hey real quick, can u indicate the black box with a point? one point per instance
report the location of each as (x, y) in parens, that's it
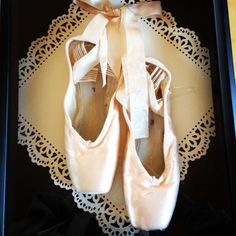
(206, 205)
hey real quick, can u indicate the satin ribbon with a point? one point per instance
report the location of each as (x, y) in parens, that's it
(145, 9)
(131, 54)
(96, 34)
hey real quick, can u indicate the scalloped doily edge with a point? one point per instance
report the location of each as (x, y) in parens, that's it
(26, 60)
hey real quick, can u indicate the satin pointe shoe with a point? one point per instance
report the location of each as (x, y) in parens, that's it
(92, 128)
(151, 167)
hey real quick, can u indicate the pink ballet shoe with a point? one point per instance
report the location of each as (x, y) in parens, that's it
(92, 128)
(151, 168)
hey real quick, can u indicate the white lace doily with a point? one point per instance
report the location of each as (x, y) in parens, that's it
(43, 77)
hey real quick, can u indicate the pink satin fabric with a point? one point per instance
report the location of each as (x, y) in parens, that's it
(151, 200)
(91, 164)
(117, 41)
(123, 40)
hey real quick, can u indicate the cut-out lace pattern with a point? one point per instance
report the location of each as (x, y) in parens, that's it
(60, 29)
(112, 219)
(185, 40)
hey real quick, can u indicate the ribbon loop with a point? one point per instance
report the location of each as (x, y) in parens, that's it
(145, 9)
(95, 33)
(105, 9)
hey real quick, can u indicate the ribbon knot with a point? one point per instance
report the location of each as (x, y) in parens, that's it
(105, 9)
(130, 55)
(110, 12)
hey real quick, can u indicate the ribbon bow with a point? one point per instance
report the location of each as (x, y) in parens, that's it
(117, 31)
(146, 9)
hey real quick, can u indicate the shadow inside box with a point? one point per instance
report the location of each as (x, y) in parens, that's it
(56, 215)
(44, 209)
(47, 210)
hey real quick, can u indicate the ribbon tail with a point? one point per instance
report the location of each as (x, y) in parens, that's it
(147, 9)
(135, 74)
(95, 29)
(103, 56)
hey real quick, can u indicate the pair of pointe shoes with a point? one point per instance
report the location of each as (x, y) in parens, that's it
(93, 135)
